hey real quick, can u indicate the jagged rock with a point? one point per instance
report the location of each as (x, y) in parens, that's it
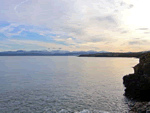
(138, 84)
(144, 65)
(137, 87)
(140, 107)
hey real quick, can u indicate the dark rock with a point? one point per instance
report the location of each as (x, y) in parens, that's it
(138, 84)
(148, 111)
(139, 107)
(144, 65)
(137, 87)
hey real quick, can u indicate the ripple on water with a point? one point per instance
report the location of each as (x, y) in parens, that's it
(63, 84)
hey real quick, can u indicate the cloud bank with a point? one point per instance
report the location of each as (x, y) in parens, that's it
(74, 24)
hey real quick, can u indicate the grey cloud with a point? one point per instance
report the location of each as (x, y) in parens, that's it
(139, 42)
(131, 6)
(95, 47)
(123, 32)
(107, 43)
(133, 42)
(137, 38)
(75, 30)
(122, 3)
(142, 29)
(107, 18)
(101, 39)
(98, 39)
(115, 11)
(107, 22)
(146, 32)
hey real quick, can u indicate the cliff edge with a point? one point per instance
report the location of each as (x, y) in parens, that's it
(138, 84)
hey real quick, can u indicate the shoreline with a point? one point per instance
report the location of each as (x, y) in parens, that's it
(138, 85)
(113, 54)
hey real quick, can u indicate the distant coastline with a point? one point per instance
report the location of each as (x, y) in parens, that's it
(47, 53)
(73, 53)
(113, 54)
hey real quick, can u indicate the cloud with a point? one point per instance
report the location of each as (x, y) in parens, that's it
(109, 19)
(68, 41)
(142, 29)
(9, 28)
(122, 3)
(123, 32)
(39, 43)
(139, 42)
(131, 6)
(73, 23)
(146, 32)
(4, 45)
(15, 8)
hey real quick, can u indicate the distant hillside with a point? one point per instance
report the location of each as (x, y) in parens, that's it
(47, 53)
(113, 54)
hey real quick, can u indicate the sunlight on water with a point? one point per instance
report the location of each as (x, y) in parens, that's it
(63, 84)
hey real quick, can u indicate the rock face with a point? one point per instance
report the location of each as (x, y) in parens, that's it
(138, 84)
(144, 65)
(140, 107)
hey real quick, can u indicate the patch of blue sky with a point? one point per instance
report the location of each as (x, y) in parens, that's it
(28, 27)
(17, 29)
(36, 28)
(4, 24)
(40, 28)
(15, 46)
(34, 47)
(60, 42)
(26, 35)
(2, 36)
(73, 38)
(52, 34)
(22, 47)
(27, 47)
(2, 46)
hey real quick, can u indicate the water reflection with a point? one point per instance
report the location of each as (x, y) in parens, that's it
(58, 83)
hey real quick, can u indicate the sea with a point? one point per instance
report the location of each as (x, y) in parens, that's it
(64, 84)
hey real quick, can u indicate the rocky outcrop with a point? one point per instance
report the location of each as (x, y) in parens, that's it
(138, 84)
(140, 107)
(143, 68)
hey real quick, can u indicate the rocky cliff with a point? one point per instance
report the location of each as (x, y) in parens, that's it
(138, 84)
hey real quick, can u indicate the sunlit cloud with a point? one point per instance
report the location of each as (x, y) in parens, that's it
(76, 24)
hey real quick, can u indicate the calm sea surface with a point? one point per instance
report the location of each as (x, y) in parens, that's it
(63, 84)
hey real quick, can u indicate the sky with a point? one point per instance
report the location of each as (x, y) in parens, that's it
(75, 25)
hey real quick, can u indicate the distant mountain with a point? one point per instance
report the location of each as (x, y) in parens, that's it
(47, 53)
